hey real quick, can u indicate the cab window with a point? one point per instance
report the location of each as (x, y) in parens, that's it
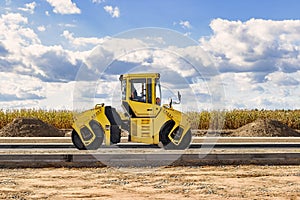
(157, 92)
(141, 90)
(123, 88)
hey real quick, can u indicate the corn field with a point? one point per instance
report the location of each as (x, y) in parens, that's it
(228, 119)
(61, 119)
(236, 118)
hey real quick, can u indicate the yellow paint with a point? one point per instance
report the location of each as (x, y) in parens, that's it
(148, 116)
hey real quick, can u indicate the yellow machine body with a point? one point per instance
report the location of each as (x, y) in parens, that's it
(83, 120)
(148, 121)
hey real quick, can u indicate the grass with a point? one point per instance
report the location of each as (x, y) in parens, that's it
(233, 119)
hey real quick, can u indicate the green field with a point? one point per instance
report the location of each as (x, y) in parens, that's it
(229, 119)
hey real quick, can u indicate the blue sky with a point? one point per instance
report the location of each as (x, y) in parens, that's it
(254, 45)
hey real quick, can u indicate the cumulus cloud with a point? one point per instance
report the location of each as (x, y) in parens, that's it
(113, 11)
(29, 7)
(254, 45)
(58, 96)
(282, 79)
(185, 24)
(23, 53)
(98, 1)
(20, 87)
(24, 91)
(81, 41)
(280, 90)
(41, 28)
(257, 61)
(64, 7)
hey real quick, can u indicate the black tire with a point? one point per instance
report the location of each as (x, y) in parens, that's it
(168, 145)
(77, 141)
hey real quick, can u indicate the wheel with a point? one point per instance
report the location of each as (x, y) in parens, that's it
(165, 130)
(77, 141)
(185, 142)
(98, 131)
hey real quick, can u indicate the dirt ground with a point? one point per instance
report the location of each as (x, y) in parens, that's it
(29, 127)
(208, 182)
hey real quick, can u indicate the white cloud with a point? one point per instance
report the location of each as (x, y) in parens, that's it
(41, 28)
(58, 96)
(258, 71)
(113, 11)
(24, 91)
(185, 24)
(64, 7)
(98, 1)
(255, 45)
(280, 91)
(258, 61)
(282, 79)
(67, 25)
(23, 53)
(29, 7)
(81, 41)
(14, 33)
(20, 87)
(47, 13)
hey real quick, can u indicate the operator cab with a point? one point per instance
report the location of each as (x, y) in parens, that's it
(141, 94)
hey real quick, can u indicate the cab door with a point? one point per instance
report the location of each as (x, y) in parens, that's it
(143, 109)
(142, 99)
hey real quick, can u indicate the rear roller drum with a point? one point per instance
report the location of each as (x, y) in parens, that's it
(168, 144)
(77, 141)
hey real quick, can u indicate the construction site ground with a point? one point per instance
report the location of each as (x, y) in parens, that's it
(199, 182)
(203, 182)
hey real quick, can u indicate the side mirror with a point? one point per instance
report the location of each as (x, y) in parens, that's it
(179, 97)
(170, 102)
(178, 102)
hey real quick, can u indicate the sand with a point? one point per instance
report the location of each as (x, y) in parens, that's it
(207, 182)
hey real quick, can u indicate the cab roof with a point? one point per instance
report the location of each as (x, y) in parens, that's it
(141, 75)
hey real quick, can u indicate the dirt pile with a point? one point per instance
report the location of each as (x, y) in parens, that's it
(265, 128)
(29, 127)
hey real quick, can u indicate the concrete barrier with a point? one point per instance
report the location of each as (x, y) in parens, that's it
(58, 140)
(146, 160)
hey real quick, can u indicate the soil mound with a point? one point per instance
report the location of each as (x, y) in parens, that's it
(265, 128)
(29, 127)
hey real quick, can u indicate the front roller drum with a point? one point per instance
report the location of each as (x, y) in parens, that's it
(168, 144)
(97, 130)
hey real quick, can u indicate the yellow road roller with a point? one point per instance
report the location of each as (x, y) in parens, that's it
(147, 121)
